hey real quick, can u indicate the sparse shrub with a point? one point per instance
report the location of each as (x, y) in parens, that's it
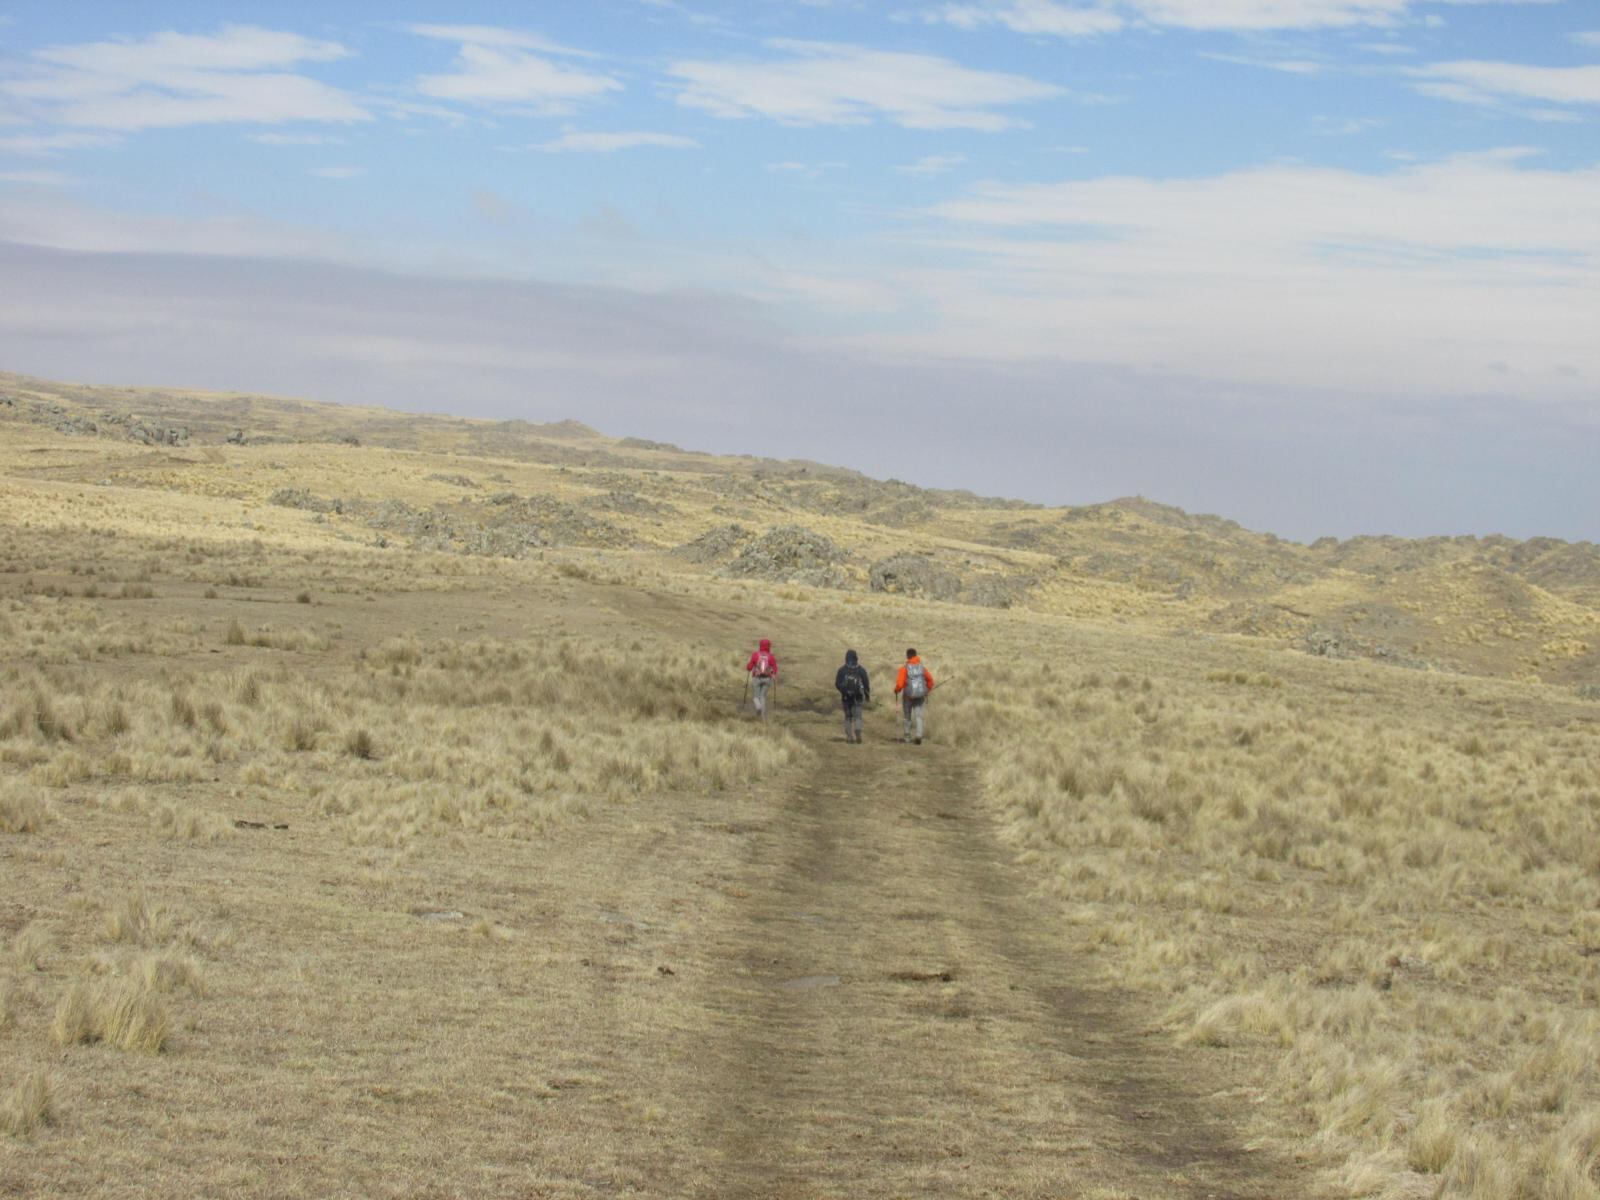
(235, 635)
(359, 744)
(136, 591)
(211, 593)
(303, 598)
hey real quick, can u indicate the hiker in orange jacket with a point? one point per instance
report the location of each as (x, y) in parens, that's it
(763, 671)
(912, 685)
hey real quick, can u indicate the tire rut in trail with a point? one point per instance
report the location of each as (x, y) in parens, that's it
(1135, 1074)
(895, 1018)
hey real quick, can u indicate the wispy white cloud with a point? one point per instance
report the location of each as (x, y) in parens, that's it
(1086, 19)
(1089, 18)
(53, 143)
(1031, 16)
(1478, 82)
(496, 66)
(1285, 66)
(338, 171)
(1271, 14)
(691, 15)
(933, 164)
(495, 35)
(609, 143)
(296, 139)
(172, 79)
(1588, 37)
(35, 178)
(808, 170)
(822, 83)
(69, 226)
(1345, 126)
(1412, 278)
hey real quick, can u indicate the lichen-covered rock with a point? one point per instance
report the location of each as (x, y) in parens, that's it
(914, 575)
(715, 545)
(791, 553)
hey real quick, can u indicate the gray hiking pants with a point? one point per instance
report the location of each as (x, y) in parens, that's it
(760, 685)
(911, 717)
(852, 719)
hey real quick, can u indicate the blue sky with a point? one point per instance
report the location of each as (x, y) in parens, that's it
(1320, 265)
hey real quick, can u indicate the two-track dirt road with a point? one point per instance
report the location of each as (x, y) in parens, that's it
(864, 1000)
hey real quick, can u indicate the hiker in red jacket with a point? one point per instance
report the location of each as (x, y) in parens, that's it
(912, 685)
(763, 671)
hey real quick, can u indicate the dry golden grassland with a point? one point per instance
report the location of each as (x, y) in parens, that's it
(1375, 891)
(285, 805)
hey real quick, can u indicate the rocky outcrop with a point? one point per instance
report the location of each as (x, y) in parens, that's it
(914, 575)
(791, 553)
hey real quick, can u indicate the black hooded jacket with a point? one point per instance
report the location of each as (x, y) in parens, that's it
(852, 670)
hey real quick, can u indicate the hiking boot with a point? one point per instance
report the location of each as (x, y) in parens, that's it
(919, 741)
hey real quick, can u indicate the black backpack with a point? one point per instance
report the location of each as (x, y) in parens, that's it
(853, 687)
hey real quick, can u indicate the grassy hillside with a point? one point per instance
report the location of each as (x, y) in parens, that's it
(509, 489)
(309, 711)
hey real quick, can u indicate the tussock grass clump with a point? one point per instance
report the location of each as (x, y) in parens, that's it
(170, 971)
(188, 824)
(359, 743)
(26, 1105)
(123, 1013)
(1435, 1141)
(21, 809)
(139, 922)
(31, 946)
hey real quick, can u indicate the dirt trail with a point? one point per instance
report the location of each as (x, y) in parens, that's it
(904, 1026)
(883, 1010)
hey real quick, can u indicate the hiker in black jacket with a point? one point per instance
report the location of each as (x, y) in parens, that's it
(855, 689)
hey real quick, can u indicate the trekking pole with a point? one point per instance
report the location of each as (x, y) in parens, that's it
(744, 698)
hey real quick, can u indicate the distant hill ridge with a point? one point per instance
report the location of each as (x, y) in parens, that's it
(1489, 604)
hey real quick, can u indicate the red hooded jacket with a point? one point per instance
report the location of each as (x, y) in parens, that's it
(756, 666)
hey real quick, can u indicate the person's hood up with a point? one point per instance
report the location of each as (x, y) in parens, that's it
(766, 643)
(850, 658)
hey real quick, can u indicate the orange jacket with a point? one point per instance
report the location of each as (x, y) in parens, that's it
(900, 679)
